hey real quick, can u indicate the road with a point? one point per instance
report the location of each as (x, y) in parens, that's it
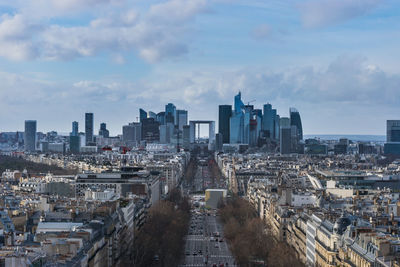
(203, 246)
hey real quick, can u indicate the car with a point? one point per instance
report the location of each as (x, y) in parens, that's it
(194, 253)
(216, 246)
(187, 253)
(221, 240)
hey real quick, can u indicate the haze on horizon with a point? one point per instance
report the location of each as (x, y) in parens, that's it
(336, 61)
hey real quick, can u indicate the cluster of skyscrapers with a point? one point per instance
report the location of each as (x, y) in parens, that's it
(255, 127)
(165, 127)
(77, 139)
(240, 126)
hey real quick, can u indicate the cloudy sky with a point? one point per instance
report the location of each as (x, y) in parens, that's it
(336, 61)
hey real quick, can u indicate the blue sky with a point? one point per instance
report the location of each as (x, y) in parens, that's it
(336, 61)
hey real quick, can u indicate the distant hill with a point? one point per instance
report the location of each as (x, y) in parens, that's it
(17, 163)
(353, 137)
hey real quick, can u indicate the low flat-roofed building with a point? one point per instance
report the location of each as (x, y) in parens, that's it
(45, 227)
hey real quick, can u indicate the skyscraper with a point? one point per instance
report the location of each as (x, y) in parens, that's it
(237, 122)
(224, 114)
(142, 114)
(75, 128)
(150, 130)
(161, 117)
(255, 126)
(186, 137)
(89, 125)
(132, 133)
(393, 131)
(103, 130)
(182, 116)
(285, 136)
(268, 121)
(277, 120)
(166, 133)
(170, 113)
(248, 115)
(295, 120)
(30, 135)
(392, 145)
(151, 114)
(74, 143)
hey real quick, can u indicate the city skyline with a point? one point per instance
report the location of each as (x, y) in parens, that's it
(116, 130)
(200, 133)
(54, 64)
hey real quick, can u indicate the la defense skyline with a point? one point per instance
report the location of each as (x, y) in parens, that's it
(224, 111)
(240, 125)
(245, 124)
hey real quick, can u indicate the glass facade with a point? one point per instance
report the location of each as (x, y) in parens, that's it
(182, 118)
(285, 136)
(103, 130)
(268, 121)
(237, 122)
(142, 114)
(89, 125)
(170, 114)
(224, 114)
(295, 120)
(30, 135)
(75, 128)
(393, 131)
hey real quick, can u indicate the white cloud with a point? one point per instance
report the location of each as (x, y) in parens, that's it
(317, 13)
(153, 35)
(342, 92)
(177, 11)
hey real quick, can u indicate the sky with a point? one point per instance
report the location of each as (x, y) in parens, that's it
(336, 61)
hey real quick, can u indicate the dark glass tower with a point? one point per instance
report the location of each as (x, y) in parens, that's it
(89, 125)
(142, 114)
(268, 121)
(224, 114)
(75, 128)
(285, 136)
(170, 114)
(295, 120)
(103, 130)
(30, 135)
(393, 131)
(236, 123)
(150, 130)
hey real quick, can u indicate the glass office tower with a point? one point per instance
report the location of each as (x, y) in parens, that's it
(30, 135)
(170, 114)
(295, 120)
(285, 136)
(75, 128)
(142, 114)
(237, 122)
(268, 121)
(393, 131)
(224, 115)
(89, 125)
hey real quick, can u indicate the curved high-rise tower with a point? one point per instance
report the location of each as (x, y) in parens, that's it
(295, 120)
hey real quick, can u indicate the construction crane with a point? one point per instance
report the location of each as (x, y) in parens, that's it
(251, 101)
